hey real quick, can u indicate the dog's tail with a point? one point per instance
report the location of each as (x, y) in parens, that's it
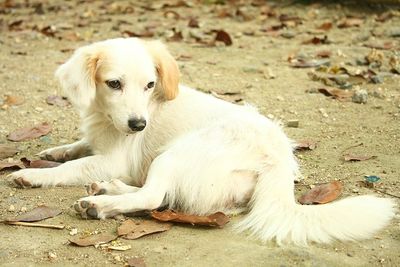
(274, 213)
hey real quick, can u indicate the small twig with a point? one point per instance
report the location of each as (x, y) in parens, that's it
(353, 146)
(36, 225)
(383, 192)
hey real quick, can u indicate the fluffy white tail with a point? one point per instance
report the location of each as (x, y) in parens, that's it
(274, 213)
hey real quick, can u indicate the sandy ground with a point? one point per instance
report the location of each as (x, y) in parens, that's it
(29, 55)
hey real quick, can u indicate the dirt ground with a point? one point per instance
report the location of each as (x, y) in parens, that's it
(36, 36)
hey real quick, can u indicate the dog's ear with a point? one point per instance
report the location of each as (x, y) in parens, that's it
(167, 70)
(78, 76)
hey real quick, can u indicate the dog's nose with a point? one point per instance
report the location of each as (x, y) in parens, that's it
(137, 124)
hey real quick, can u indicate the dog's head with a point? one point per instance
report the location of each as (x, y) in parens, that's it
(120, 78)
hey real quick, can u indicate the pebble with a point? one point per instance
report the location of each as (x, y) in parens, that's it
(52, 255)
(288, 34)
(377, 79)
(323, 112)
(24, 209)
(73, 231)
(11, 208)
(360, 96)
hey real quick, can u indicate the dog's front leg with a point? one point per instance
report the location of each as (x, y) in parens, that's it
(150, 196)
(75, 172)
(68, 152)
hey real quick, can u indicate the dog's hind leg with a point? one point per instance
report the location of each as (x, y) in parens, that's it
(68, 152)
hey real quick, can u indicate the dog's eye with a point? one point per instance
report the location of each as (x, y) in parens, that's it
(114, 84)
(149, 86)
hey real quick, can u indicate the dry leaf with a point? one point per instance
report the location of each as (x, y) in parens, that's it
(351, 157)
(305, 145)
(350, 22)
(233, 97)
(322, 194)
(39, 163)
(324, 54)
(336, 93)
(30, 132)
(13, 100)
(37, 214)
(136, 262)
(326, 26)
(131, 229)
(223, 36)
(57, 101)
(144, 34)
(317, 40)
(92, 240)
(309, 63)
(193, 23)
(11, 164)
(7, 151)
(216, 219)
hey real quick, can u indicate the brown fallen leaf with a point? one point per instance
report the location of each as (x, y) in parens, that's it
(223, 36)
(7, 151)
(351, 157)
(15, 25)
(136, 262)
(39, 163)
(216, 219)
(144, 34)
(324, 54)
(57, 100)
(11, 164)
(30, 132)
(305, 145)
(131, 229)
(326, 26)
(317, 40)
(322, 194)
(176, 36)
(92, 240)
(350, 22)
(338, 94)
(13, 100)
(37, 214)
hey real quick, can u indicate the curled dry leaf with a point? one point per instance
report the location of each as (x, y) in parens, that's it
(39, 163)
(30, 132)
(144, 34)
(322, 194)
(216, 219)
(57, 100)
(350, 22)
(223, 36)
(11, 164)
(131, 229)
(92, 240)
(233, 97)
(317, 40)
(37, 214)
(7, 151)
(351, 157)
(336, 93)
(305, 145)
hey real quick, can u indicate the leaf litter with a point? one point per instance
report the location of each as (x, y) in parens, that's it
(134, 229)
(7, 151)
(37, 214)
(321, 194)
(217, 219)
(30, 132)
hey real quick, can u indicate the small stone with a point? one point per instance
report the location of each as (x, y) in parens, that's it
(52, 255)
(360, 96)
(323, 112)
(11, 208)
(293, 123)
(24, 209)
(377, 79)
(73, 231)
(288, 34)
(355, 190)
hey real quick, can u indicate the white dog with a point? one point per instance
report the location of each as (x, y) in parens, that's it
(186, 150)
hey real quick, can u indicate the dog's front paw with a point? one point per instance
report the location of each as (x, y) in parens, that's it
(60, 154)
(96, 207)
(31, 178)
